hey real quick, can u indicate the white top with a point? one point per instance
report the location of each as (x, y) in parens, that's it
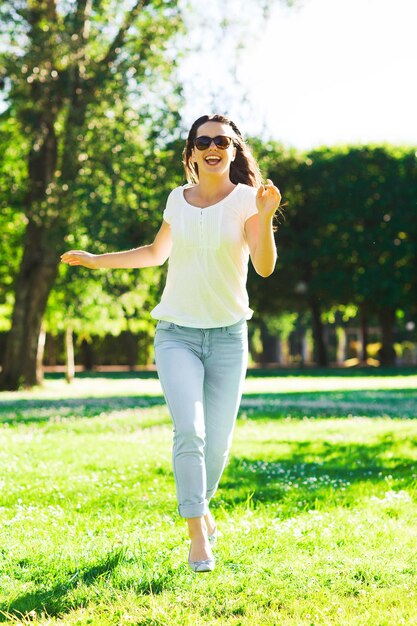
(208, 265)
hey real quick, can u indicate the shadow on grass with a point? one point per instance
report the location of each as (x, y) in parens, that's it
(57, 599)
(338, 372)
(260, 372)
(314, 475)
(111, 375)
(321, 404)
(44, 410)
(52, 600)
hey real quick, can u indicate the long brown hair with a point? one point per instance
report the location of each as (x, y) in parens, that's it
(244, 168)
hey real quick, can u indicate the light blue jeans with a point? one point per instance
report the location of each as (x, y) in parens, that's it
(201, 372)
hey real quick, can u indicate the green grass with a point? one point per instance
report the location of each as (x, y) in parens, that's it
(316, 508)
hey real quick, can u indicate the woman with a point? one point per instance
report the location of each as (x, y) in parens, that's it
(210, 227)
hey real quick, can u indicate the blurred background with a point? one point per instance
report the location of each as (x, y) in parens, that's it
(95, 103)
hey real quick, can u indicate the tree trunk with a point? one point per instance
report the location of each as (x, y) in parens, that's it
(318, 335)
(387, 320)
(39, 355)
(45, 232)
(269, 346)
(341, 344)
(304, 351)
(283, 356)
(87, 355)
(69, 355)
(364, 334)
(131, 343)
(34, 282)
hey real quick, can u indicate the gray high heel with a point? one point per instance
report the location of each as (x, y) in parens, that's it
(201, 566)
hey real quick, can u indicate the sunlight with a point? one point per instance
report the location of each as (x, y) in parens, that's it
(334, 72)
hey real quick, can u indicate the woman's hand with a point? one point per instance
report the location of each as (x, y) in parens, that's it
(79, 257)
(268, 199)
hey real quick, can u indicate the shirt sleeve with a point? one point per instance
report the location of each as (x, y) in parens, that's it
(250, 204)
(169, 208)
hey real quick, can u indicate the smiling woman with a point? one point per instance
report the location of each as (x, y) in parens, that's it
(242, 165)
(210, 228)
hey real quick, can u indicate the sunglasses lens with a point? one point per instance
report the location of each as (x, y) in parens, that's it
(204, 142)
(222, 141)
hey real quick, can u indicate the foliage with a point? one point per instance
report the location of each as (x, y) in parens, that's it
(67, 66)
(120, 204)
(13, 173)
(348, 238)
(91, 151)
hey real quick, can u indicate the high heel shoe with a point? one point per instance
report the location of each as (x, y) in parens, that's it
(201, 566)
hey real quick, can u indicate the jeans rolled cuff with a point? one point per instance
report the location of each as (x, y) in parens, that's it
(199, 509)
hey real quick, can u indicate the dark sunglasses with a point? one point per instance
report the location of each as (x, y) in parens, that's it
(204, 142)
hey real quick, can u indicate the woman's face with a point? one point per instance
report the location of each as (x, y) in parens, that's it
(214, 160)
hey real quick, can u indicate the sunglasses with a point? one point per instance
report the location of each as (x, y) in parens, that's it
(204, 142)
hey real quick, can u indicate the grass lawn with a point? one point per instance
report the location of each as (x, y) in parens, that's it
(316, 511)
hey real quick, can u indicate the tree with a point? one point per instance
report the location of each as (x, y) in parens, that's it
(349, 237)
(13, 173)
(368, 202)
(294, 285)
(77, 58)
(127, 200)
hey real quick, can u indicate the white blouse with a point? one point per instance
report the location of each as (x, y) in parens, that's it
(208, 265)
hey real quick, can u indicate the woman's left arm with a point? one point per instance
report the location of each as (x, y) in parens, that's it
(259, 229)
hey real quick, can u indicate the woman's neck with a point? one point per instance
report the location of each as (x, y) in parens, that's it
(214, 186)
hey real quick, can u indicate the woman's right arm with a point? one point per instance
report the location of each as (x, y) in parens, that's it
(146, 256)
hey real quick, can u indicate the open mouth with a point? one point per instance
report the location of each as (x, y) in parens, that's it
(212, 159)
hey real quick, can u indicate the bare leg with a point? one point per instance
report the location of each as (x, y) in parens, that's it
(210, 523)
(200, 546)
